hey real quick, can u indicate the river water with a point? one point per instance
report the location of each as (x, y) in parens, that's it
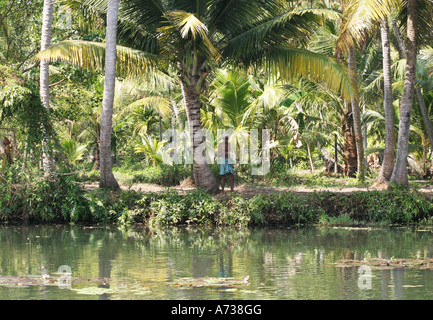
(79, 262)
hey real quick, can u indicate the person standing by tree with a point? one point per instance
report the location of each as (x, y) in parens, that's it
(226, 167)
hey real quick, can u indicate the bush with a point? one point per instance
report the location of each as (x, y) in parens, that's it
(60, 200)
(63, 200)
(234, 212)
(196, 207)
(164, 175)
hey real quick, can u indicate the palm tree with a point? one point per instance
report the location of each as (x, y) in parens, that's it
(107, 179)
(228, 106)
(154, 150)
(358, 22)
(388, 158)
(47, 21)
(195, 37)
(360, 19)
(73, 150)
(326, 114)
(399, 174)
(401, 47)
(377, 11)
(356, 112)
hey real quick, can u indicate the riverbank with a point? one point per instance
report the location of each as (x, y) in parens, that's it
(66, 201)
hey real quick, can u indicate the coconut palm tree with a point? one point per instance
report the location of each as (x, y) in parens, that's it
(73, 150)
(107, 179)
(360, 19)
(399, 174)
(154, 150)
(388, 157)
(327, 114)
(377, 11)
(195, 37)
(356, 113)
(423, 72)
(47, 21)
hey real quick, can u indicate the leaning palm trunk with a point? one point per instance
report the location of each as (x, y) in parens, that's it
(399, 174)
(351, 59)
(388, 159)
(47, 159)
(202, 175)
(107, 179)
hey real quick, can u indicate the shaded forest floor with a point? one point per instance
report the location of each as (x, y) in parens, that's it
(248, 190)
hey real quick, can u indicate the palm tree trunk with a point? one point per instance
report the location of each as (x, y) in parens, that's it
(388, 159)
(419, 96)
(202, 175)
(335, 154)
(310, 159)
(96, 165)
(349, 154)
(424, 112)
(351, 59)
(399, 174)
(107, 179)
(47, 21)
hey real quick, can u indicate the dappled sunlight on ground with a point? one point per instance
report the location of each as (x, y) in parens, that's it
(249, 190)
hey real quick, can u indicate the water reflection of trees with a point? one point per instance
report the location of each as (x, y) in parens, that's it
(283, 263)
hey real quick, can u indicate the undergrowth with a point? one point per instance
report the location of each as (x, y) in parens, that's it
(63, 200)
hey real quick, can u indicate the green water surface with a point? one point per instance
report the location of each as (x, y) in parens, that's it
(193, 263)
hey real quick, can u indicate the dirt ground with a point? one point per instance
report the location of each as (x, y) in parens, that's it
(252, 190)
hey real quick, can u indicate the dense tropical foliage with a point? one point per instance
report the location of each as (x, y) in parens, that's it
(89, 90)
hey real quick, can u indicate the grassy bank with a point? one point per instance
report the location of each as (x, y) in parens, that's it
(64, 201)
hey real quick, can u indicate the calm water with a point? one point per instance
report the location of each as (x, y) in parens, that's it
(111, 263)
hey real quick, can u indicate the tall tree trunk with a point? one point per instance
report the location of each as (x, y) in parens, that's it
(399, 174)
(349, 148)
(425, 116)
(107, 179)
(202, 175)
(310, 159)
(351, 59)
(388, 159)
(335, 153)
(47, 22)
(96, 165)
(418, 93)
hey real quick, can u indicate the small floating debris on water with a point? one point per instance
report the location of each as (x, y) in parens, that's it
(189, 282)
(382, 264)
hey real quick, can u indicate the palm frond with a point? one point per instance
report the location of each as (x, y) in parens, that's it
(154, 150)
(232, 95)
(73, 151)
(300, 63)
(326, 13)
(185, 24)
(230, 17)
(269, 32)
(425, 13)
(160, 104)
(358, 18)
(188, 23)
(426, 54)
(91, 55)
